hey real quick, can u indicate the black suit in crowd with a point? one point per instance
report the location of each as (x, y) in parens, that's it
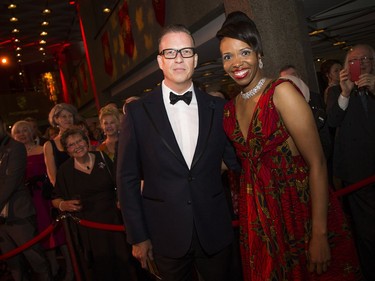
(177, 202)
(354, 160)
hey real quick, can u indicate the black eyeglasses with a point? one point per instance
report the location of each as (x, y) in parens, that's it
(363, 60)
(172, 53)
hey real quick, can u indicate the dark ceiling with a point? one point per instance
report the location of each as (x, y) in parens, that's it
(340, 22)
(62, 30)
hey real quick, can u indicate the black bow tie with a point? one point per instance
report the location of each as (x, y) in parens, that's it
(185, 97)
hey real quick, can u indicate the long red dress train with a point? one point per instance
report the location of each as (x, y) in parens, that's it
(274, 203)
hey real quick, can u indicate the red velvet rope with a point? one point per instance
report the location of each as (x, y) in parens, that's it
(102, 226)
(29, 243)
(113, 227)
(354, 187)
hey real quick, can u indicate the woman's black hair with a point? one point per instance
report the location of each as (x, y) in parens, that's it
(239, 26)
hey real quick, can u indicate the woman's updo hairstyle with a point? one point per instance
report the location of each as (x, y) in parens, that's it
(239, 26)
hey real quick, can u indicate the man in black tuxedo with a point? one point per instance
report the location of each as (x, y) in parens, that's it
(17, 213)
(175, 142)
(352, 111)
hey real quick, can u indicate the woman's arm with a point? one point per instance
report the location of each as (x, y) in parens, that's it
(71, 205)
(300, 124)
(67, 205)
(49, 159)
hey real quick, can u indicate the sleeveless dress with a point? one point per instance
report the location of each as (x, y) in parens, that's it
(60, 156)
(274, 203)
(35, 175)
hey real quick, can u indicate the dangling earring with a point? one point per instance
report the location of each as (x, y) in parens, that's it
(260, 63)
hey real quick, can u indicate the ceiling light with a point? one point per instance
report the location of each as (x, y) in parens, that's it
(339, 43)
(19, 60)
(43, 33)
(106, 10)
(12, 6)
(41, 49)
(15, 30)
(46, 11)
(45, 23)
(42, 41)
(13, 19)
(18, 49)
(18, 55)
(4, 60)
(16, 40)
(316, 32)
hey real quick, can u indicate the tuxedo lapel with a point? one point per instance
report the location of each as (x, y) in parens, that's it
(157, 114)
(206, 110)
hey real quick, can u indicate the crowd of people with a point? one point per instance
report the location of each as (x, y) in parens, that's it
(159, 169)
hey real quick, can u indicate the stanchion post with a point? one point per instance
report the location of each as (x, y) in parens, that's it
(72, 252)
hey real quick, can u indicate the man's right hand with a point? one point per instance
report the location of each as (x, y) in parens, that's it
(142, 251)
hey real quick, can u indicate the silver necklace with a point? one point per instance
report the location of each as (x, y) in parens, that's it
(254, 90)
(88, 167)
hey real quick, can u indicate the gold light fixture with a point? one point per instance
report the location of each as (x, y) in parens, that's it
(46, 11)
(13, 19)
(16, 40)
(106, 10)
(18, 54)
(42, 42)
(18, 49)
(41, 49)
(338, 43)
(12, 6)
(316, 32)
(15, 30)
(43, 33)
(45, 23)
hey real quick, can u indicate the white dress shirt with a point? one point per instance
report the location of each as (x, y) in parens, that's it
(184, 121)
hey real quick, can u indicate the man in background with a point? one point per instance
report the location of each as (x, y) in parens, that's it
(17, 217)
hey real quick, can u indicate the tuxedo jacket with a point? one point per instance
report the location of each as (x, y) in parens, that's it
(354, 150)
(174, 197)
(13, 159)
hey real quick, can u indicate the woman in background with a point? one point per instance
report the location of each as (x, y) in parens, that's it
(330, 70)
(63, 116)
(287, 230)
(109, 118)
(84, 186)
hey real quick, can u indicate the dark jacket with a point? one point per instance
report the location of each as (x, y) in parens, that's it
(13, 159)
(354, 155)
(174, 198)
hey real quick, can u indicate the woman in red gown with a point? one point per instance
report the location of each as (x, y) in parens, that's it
(290, 226)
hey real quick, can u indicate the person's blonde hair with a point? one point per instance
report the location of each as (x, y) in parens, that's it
(23, 123)
(109, 110)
